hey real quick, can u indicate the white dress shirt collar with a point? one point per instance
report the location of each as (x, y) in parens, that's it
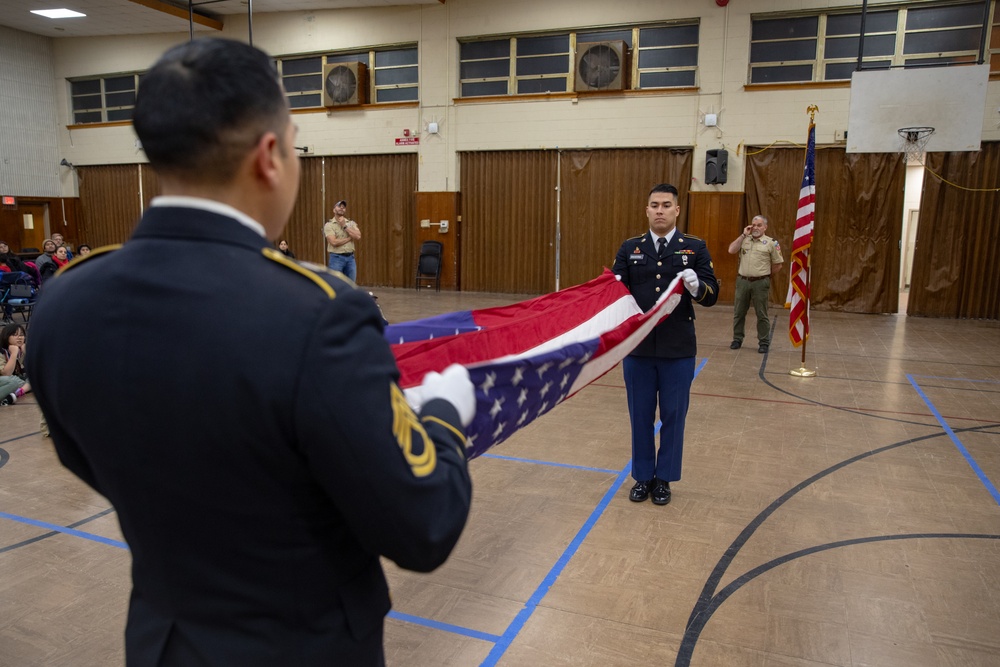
(180, 201)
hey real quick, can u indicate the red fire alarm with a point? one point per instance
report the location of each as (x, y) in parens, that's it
(9, 201)
(722, 3)
(406, 133)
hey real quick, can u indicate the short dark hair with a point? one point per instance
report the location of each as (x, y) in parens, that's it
(204, 104)
(82, 246)
(664, 187)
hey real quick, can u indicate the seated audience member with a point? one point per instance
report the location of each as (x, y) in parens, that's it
(45, 264)
(57, 238)
(61, 257)
(9, 259)
(13, 377)
(82, 250)
(283, 247)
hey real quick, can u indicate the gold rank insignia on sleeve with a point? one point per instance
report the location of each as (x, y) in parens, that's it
(76, 261)
(418, 450)
(310, 271)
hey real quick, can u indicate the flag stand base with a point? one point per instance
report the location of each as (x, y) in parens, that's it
(802, 372)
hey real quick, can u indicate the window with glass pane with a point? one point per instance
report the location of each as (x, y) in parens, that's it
(542, 64)
(843, 39)
(103, 100)
(396, 75)
(303, 81)
(667, 56)
(484, 67)
(781, 48)
(911, 36)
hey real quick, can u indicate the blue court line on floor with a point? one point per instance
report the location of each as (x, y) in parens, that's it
(63, 529)
(941, 377)
(446, 627)
(522, 617)
(955, 441)
(501, 642)
(547, 463)
(529, 607)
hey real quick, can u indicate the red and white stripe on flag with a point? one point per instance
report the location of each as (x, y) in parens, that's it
(798, 288)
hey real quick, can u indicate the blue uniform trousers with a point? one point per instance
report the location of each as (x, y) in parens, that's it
(648, 381)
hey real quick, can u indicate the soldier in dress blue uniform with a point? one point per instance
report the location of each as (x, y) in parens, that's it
(238, 408)
(660, 370)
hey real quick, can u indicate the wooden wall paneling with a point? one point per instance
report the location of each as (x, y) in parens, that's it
(435, 207)
(69, 209)
(10, 228)
(304, 231)
(150, 184)
(110, 202)
(603, 202)
(50, 214)
(508, 221)
(379, 192)
(718, 218)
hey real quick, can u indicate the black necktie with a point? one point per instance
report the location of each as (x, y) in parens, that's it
(663, 247)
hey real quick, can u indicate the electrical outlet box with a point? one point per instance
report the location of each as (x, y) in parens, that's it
(425, 224)
(444, 227)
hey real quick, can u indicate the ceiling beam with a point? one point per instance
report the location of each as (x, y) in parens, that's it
(200, 19)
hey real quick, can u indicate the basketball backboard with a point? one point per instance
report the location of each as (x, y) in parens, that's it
(952, 100)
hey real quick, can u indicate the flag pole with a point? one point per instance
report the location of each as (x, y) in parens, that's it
(798, 329)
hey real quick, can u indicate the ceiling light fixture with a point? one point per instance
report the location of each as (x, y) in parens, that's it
(57, 13)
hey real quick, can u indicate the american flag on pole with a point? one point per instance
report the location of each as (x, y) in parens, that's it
(526, 358)
(798, 287)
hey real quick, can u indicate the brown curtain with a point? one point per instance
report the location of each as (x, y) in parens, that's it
(508, 221)
(859, 219)
(379, 190)
(150, 184)
(304, 232)
(110, 201)
(509, 207)
(956, 265)
(603, 202)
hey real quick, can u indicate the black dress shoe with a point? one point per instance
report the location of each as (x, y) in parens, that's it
(735, 345)
(763, 348)
(661, 492)
(640, 491)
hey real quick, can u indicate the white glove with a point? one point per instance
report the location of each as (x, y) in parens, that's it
(690, 279)
(454, 386)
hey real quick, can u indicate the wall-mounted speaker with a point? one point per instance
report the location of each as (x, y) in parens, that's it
(716, 166)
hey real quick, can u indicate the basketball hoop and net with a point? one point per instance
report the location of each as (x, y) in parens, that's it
(913, 142)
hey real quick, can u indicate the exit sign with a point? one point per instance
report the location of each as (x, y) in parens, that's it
(9, 201)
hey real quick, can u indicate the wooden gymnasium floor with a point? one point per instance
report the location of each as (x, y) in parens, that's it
(848, 519)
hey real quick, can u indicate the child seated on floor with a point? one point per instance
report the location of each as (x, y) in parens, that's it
(13, 377)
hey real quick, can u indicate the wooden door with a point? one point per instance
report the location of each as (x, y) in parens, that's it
(717, 217)
(438, 219)
(34, 224)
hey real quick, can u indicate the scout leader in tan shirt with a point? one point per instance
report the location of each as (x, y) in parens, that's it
(760, 256)
(341, 232)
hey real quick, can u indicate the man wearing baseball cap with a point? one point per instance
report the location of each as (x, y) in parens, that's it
(341, 232)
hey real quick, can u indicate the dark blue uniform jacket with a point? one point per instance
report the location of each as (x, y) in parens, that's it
(647, 277)
(240, 411)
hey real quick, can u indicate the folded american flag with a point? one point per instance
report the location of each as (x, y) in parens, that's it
(528, 357)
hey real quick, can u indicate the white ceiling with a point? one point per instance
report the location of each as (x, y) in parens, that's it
(124, 17)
